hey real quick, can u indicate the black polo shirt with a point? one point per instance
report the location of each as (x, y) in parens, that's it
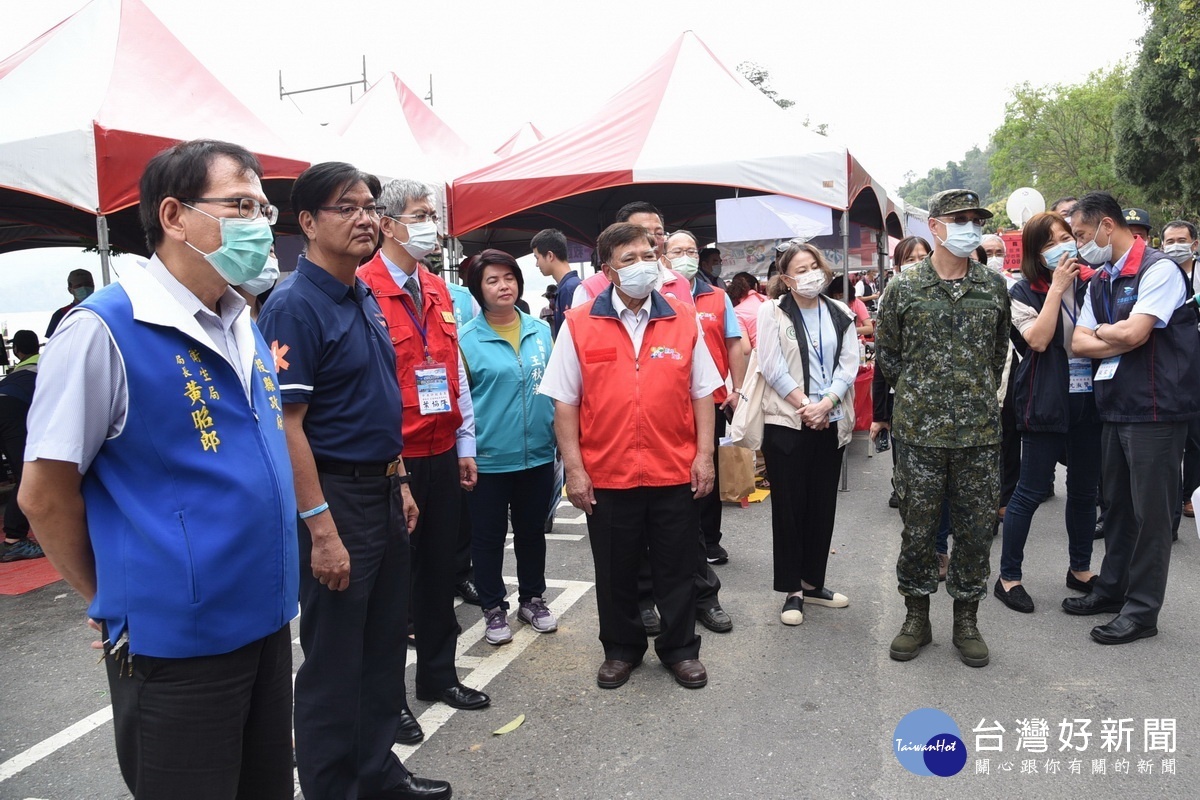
(333, 352)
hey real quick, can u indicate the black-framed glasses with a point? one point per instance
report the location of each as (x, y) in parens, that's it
(349, 212)
(248, 207)
(420, 217)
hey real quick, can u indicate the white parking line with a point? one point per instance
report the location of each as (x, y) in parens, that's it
(580, 520)
(29, 757)
(552, 537)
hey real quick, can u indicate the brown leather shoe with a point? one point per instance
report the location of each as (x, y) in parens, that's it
(613, 673)
(690, 674)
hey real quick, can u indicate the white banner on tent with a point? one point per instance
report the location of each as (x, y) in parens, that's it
(769, 216)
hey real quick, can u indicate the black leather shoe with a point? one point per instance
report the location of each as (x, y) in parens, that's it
(1092, 604)
(458, 696)
(413, 788)
(409, 731)
(1015, 598)
(650, 622)
(467, 591)
(715, 619)
(1078, 585)
(1122, 630)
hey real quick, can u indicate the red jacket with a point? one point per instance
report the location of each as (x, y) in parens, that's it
(636, 426)
(432, 434)
(710, 308)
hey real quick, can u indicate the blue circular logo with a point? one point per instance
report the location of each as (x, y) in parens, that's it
(928, 742)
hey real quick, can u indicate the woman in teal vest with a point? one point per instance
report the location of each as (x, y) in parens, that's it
(505, 352)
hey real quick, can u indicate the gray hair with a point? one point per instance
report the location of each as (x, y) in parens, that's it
(991, 236)
(682, 232)
(397, 194)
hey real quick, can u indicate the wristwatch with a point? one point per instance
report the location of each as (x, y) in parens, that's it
(402, 479)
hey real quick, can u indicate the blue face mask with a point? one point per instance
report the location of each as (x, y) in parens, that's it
(245, 245)
(1055, 254)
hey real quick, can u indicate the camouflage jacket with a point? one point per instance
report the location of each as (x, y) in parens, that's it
(943, 348)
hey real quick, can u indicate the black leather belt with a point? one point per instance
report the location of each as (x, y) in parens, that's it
(375, 469)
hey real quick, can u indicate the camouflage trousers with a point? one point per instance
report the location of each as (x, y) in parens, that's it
(969, 479)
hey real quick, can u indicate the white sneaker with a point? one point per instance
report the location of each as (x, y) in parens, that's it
(497, 631)
(534, 613)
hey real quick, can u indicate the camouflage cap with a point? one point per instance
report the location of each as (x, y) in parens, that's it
(1137, 216)
(952, 201)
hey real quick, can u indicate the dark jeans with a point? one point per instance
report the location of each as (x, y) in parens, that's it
(12, 442)
(523, 491)
(206, 727)
(1039, 456)
(1140, 470)
(350, 688)
(438, 495)
(805, 467)
(624, 523)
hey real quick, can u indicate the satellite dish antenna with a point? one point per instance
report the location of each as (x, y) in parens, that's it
(1023, 204)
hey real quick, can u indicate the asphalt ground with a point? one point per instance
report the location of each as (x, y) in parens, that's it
(800, 712)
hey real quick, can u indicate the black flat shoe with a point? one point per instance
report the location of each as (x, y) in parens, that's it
(458, 696)
(1078, 585)
(409, 730)
(467, 591)
(1092, 604)
(414, 788)
(650, 622)
(1122, 630)
(1015, 598)
(715, 619)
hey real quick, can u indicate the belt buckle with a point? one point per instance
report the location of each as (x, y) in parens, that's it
(393, 467)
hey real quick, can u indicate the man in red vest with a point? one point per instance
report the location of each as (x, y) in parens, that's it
(632, 382)
(439, 431)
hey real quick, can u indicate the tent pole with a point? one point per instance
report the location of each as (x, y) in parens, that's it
(845, 487)
(102, 246)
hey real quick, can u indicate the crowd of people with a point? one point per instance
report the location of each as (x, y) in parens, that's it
(377, 430)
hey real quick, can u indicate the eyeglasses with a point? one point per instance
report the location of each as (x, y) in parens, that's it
(783, 247)
(420, 218)
(349, 212)
(676, 252)
(248, 207)
(961, 220)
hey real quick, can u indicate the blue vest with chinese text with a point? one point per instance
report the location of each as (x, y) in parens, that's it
(191, 508)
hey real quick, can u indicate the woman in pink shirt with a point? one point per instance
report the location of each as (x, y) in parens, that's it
(743, 292)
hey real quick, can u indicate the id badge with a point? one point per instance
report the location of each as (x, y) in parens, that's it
(1080, 379)
(1108, 368)
(433, 389)
(835, 414)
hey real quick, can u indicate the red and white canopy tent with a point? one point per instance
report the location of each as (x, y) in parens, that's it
(87, 104)
(526, 137)
(647, 143)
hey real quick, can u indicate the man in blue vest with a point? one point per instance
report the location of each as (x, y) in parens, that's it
(1143, 341)
(159, 484)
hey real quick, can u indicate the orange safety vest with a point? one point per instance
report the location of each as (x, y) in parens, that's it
(710, 308)
(431, 434)
(636, 426)
(678, 287)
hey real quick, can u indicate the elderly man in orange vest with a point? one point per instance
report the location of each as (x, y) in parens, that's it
(632, 382)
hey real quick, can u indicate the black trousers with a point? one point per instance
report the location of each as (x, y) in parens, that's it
(1010, 442)
(710, 505)
(1139, 466)
(623, 525)
(438, 495)
(12, 442)
(463, 571)
(209, 728)
(805, 467)
(350, 688)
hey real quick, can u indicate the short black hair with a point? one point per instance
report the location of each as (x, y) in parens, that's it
(1095, 206)
(637, 207)
(182, 172)
(617, 235)
(26, 343)
(1061, 200)
(487, 258)
(1181, 223)
(329, 179)
(709, 252)
(550, 240)
(80, 277)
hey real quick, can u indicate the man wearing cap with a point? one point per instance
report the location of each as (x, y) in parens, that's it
(941, 342)
(1138, 221)
(1143, 341)
(547, 314)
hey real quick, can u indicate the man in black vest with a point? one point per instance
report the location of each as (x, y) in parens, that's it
(1143, 343)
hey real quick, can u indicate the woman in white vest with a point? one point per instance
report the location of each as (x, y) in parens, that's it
(808, 357)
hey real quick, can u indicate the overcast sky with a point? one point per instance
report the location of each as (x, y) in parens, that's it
(907, 86)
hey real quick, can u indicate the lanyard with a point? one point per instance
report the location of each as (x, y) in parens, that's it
(820, 348)
(421, 330)
(1063, 303)
(1107, 294)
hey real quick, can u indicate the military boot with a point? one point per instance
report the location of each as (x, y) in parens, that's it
(915, 633)
(971, 648)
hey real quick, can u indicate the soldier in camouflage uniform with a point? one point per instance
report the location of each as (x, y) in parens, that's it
(941, 342)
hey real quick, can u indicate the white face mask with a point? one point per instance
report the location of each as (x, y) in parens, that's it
(961, 238)
(996, 263)
(638, 280)
(686, 266)
(422, 239)
(270, 274)
(807, 285)
(1180, 252)
(1093, 253)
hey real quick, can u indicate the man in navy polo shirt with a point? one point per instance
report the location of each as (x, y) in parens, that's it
(337, 374)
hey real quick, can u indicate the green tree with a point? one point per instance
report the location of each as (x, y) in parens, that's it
(1158, 119)
(1060, 140)
(972, 172)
